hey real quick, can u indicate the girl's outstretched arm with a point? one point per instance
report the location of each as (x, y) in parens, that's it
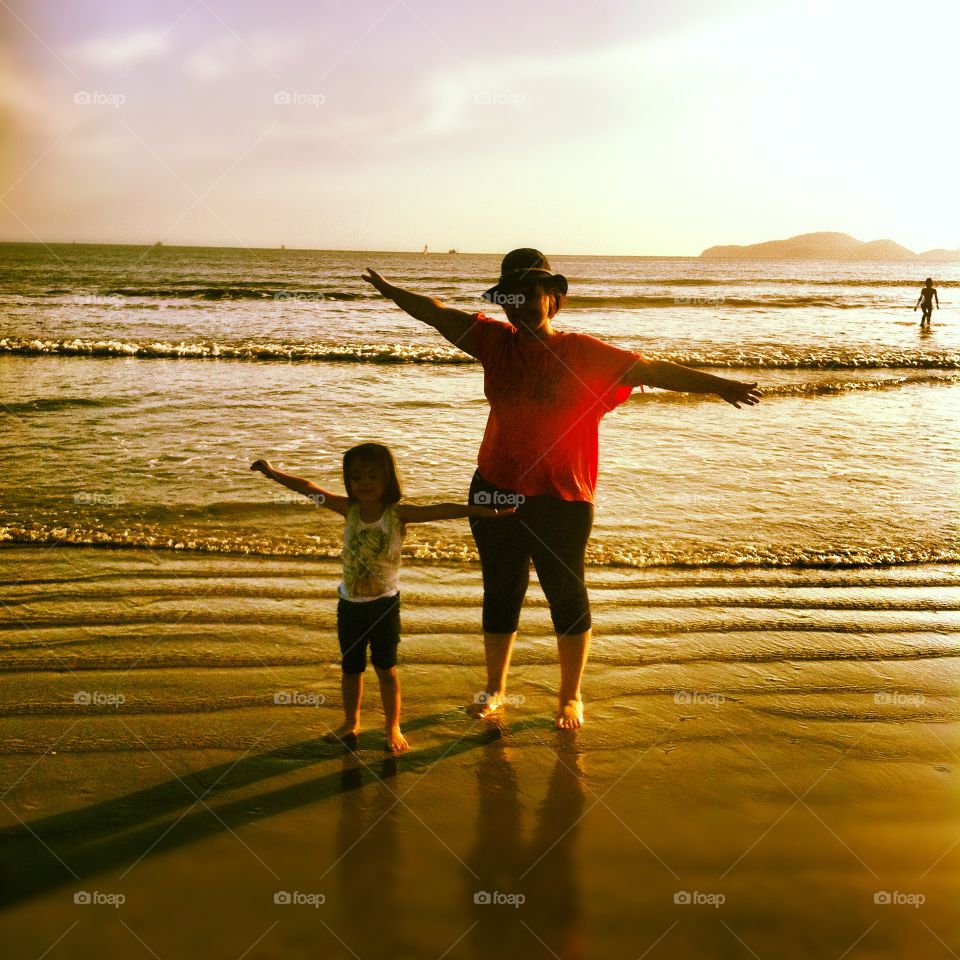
(672, 376)
(454, 325)
(321, 497)
(410, 513)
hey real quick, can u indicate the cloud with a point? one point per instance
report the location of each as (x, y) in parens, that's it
(120, 51)
(215, 60)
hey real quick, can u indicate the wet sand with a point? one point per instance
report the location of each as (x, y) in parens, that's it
(769, 756)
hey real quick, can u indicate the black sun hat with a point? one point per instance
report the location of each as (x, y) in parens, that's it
(520, 267)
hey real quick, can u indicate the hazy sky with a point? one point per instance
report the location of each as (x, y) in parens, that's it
(577, 127)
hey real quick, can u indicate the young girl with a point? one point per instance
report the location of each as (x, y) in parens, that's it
(368, 609)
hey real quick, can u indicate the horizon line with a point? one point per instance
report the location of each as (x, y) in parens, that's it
(456, 252)
(284, 248)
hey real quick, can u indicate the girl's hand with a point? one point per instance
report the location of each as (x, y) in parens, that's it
(739, 391)
(374, 278)
(262, 466)
(492, 511)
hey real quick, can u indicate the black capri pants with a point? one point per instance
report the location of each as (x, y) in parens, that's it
(370, 622)
(550, 531)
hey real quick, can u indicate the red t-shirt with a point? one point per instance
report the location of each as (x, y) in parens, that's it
(546, 402)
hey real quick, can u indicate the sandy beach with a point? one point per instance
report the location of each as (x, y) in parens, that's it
(768, 767)
(302, 306)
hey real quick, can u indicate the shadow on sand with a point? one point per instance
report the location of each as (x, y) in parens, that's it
(68, 847)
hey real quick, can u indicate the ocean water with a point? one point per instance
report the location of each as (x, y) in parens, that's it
(138, 384)
(770, 697)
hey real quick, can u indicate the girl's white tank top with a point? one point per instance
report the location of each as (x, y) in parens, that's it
(371, 555)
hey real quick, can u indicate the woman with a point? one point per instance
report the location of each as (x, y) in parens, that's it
(548, 391)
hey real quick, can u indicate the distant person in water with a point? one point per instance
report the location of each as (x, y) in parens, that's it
(548, 390)
(928, 296)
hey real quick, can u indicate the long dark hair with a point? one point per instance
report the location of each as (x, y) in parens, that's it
(379, 456)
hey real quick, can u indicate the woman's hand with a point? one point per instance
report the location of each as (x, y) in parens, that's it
(739, 391)
(262, 466)
(374, 278)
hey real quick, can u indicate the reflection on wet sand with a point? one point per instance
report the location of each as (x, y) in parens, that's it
(526, 891)
(367, 866)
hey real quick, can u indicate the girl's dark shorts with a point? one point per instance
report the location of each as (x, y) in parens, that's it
(551, 532)
(371, 622)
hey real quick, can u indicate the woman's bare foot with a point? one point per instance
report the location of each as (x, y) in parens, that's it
(346, 734)
(486, 705)
(570, 716)
(396, 741)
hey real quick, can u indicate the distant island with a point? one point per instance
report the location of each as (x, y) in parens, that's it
(826, 246)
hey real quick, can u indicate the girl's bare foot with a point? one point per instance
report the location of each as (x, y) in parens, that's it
(346, 734)
(396, 741)
(486, 705)
(570, 716)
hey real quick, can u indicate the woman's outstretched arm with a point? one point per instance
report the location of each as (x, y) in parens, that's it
(454, 325)
(411, 513)
(672, 376)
